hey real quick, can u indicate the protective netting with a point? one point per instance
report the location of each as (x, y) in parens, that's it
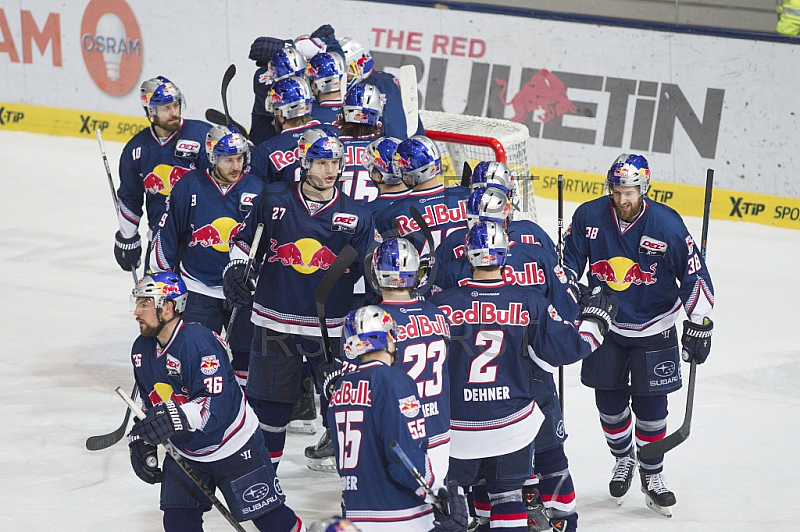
(472, 139)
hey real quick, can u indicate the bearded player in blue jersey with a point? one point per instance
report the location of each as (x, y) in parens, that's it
(191, 398)
(151, 163)
(642, 250)
(206, 209)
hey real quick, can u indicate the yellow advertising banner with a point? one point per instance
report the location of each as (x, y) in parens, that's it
(688, 200)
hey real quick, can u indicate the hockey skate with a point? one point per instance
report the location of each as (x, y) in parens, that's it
(621, 477)
(321, 456)
(537, 516)
(656, 494)
(305, 411)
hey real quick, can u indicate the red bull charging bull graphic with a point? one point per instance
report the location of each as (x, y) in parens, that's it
(306, 255)
(217, 234)
(544, 92)
(163, 178)
(621, 272)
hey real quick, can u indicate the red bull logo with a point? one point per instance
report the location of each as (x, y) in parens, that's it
(621, 272)
(217, 234)
(209, 365)
(163, 178)
(311, 72)
(402, 161)
(163, 392)
(409, 406)
(306, 255)
(379, 162)
(168, 289)
(544, 94)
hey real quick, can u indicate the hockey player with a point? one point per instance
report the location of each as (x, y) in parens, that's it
(418, 162)
(306, 225)
(422, 337)
(278, 158)
(360, 67)
(378, 160)
(642, 250)
(375, 410)
(536, 267)
(496, 175)
(206, 209)
(494, 412)
(191, 398)
(151, 163)
(326, 74)
(360, 120)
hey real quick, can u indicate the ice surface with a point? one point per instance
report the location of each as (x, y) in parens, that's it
(67, 332)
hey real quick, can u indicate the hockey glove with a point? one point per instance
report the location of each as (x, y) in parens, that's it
(696, 340)
(453, 499)
(238, 292)
(263, 48)
(600, 306)
(160, 423)
(144, 459)
(323, 32)
(575, 289)
(128, 251)
(328, 376)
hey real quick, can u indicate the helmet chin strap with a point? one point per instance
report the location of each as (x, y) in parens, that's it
(162, 323)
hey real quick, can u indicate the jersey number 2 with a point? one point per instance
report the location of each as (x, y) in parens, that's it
(480, 371)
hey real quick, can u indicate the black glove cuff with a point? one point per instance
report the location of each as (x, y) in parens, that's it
(128, 244)
(235, 263)
(697, 330)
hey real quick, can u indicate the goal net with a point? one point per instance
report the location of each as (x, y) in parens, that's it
(472, 139)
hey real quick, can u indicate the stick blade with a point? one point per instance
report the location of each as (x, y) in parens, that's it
(408, 93)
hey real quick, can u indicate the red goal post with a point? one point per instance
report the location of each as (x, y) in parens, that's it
(472, 139)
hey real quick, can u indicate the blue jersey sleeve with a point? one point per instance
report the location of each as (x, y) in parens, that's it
(557, 341)
(576, 248)
(131, 190)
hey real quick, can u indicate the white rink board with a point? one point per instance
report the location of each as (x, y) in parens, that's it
(752, 141)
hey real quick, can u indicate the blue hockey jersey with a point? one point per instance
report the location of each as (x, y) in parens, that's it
(325, 112)
(355, 181)
(278, 158)
(423, 333)
(384, 200)
(193, 371)
(296, 250)
(443, 209)
(526, 265)
(373, 406)
(523, 231)
(644, 263)
(501, 331)
(200, 221)
(149, 168)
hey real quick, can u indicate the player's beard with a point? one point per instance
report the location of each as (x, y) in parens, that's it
(632, 210)
(170, 126)
(145, 329)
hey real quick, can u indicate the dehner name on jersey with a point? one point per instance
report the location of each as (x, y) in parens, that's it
(488, 313)
(495, 393)
(346, 395)
(420, 326)
(434, 215)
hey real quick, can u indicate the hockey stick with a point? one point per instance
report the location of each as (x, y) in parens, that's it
(418, 477)
(185, 466)
(466, 175)
(408, 93)
(250, 260)
(337, 268)
(99, 134)
(103, 441)
(426, 231)
(659, 447)
(226, 80)
(560, 251)
(218, 117)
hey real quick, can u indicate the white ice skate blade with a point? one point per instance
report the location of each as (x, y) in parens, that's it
(326, 465)
(620, 500)
(302, 427)
(666, 511)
